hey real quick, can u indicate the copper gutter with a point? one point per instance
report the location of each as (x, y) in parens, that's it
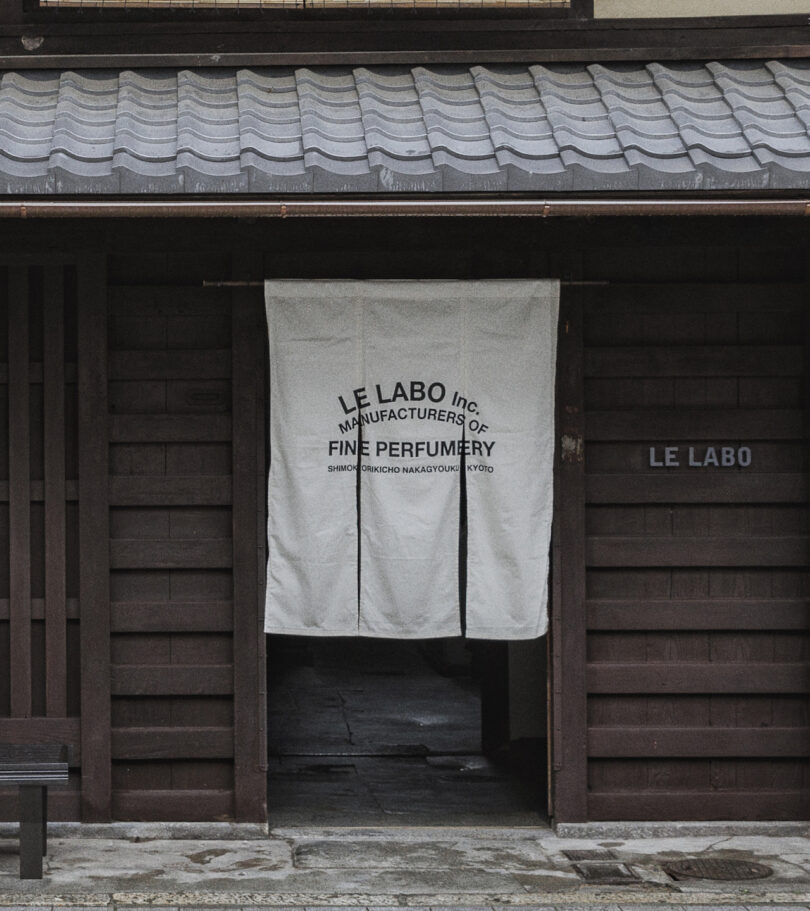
(313, 207)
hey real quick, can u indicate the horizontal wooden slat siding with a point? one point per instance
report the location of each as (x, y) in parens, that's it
(698, 742)
(698, 677)
(161, 490)
(700, 805)
(170, 554)
(170, 428)
(695, 425)
(64, 803)
(672, 487)
(170, 365)
(765, 614)
(36, 372)
(705, 551)
(184, 305)
(141, 743)
(697, 606)
(38, 608)
(46, 730)
(705, 360)
(172, 680)
(38, 491)
(171, 805)
(172, 616)
(627, 302)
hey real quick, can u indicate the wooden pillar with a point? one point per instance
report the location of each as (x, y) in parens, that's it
(569, 700)
(19, 493)
(250, 748)
(94, 540)
(53, 378)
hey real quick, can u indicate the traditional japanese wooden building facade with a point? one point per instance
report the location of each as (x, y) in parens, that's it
(156, 165)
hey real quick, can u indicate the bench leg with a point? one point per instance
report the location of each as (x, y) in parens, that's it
(32, 831)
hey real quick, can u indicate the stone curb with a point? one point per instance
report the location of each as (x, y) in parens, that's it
(221, 831)
(254, 901)
(630, 830)
(246, 831)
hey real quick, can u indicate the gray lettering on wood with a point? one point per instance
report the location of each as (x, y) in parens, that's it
(700, 456)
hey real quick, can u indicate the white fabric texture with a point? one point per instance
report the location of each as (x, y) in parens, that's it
(386, 396)
(510, 361)
(312, 527)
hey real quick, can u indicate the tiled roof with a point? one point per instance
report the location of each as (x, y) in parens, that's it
(683, 126)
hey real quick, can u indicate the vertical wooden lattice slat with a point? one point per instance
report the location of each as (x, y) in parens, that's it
(53, 377)
(94, 540)
(249, 748)
(19, 493)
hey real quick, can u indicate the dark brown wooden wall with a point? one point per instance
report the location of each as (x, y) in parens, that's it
(186, 449)
(128, 627)
(39, 581)
(135, 549)
(689, 589)
(159, 36)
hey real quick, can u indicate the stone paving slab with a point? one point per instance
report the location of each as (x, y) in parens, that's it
(669, 902)
(468, 869)
(587, 900)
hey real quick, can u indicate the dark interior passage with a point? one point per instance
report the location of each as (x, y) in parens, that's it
(389, 732)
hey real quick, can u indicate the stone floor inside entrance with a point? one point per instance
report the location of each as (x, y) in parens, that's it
(378, 732)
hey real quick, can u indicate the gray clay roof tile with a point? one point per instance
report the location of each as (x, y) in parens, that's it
(732, 125)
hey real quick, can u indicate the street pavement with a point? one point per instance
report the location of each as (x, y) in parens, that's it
(174, 867)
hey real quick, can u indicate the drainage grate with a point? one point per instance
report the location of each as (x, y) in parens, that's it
(592, 854)
(727, 870)
(608, 874)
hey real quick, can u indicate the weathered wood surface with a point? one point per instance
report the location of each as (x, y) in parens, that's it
(699, 614)
(698, 600)
(568, 630)
(698, 677)
(714, 649)
(678, 742)
(183, 564)
(19, 472)
(249, 740)
(39, 649)
(133, 38)
(170, 428)
(175, 743)
(94, 535)
(54, 493)
(172, 680)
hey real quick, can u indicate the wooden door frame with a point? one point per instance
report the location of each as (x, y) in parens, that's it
(567, 668)
(249, 548)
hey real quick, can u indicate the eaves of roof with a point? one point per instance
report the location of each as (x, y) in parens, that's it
(696, 128)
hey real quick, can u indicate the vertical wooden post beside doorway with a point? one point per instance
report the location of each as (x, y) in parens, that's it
(569, 702)
(94, 541)
(250, 749)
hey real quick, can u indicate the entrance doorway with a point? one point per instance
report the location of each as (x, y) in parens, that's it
(405, 732)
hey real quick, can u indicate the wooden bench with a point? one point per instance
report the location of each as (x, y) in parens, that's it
(32, 767)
